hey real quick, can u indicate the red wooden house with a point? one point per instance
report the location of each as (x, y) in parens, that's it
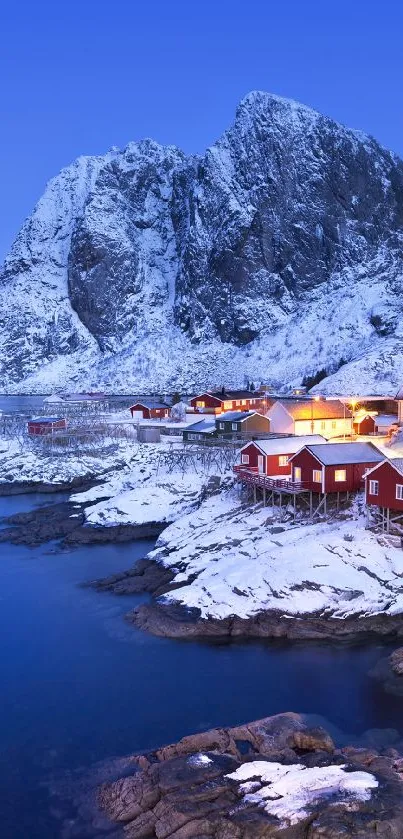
(364, 424)
(217, 402)
(46, 425)
(336, 467)
(384, 485)
(271, 457)
(149, 410)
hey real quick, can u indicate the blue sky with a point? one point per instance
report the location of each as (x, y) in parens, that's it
(79, 77)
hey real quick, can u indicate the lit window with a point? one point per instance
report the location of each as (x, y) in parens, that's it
(243, 401)
(374, 487)
(200, 404)
(323, 425)
(317, 476)
(234, 426)
(283, 460)
(227, 406)
(334, 424)
(340, 475)
(297, 473)
(399, 492)
(245, 458)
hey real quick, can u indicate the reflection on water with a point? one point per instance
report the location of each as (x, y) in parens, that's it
(79, 685)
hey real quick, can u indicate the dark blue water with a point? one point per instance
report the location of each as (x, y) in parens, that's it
(80, 685)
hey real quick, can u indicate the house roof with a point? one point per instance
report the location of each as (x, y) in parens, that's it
(237, 416)
(46, 419)
(235, 394)
(286, 445)
(399, 394)
(149, 404)
(386, 419)
(306, 409)
(334, 454)
(359, 418)
(203, 425)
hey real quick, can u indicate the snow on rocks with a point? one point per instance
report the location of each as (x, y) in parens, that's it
(229, 562)
(288, 792)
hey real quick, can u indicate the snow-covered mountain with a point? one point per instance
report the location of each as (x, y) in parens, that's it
(277, 253)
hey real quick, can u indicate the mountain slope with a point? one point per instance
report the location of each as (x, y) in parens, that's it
(275, 254)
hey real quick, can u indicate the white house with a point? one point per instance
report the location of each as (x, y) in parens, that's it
(328, 417)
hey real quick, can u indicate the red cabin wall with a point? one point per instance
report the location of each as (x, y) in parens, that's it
(273, 468)
(39, 428)
(209, 401)
(253, 453)
(388, 479)
(307, 463)
(367, 426)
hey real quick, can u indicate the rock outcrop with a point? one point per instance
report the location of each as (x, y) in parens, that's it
(272, 778)
(154, 270)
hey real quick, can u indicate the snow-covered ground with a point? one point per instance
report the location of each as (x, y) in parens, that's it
(236, 564)
(30, 463)
(290, 792)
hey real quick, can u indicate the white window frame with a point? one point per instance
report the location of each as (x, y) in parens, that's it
(399, 492)
(221, 426)
(245, 459)
(283, 460)
(234, 426)
(374, 487)
(337, 478)
(316, 472)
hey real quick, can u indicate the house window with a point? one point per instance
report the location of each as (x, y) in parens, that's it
(243, 401)
(334, 425)
(245, 458)
(221, 425)
(234, 426)
(192, 436)
(374, 487)
(323, 425)
(227, 406)
(200, 404)
(340, 475)
(283, 460)
(297, 473)
(317, 476)
(399, 492)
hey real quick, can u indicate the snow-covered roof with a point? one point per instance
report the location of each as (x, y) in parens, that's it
(203, 425)
(287, 445)
(302, 409)
(396, 462)
(237, 416)
(148, 403)
(386, 419)
(46, 419)
(335, 453)
(399, 394)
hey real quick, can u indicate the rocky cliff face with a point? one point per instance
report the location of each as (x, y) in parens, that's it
(276, 253)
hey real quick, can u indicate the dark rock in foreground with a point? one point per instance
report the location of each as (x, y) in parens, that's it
(389, 672)
(183, 791)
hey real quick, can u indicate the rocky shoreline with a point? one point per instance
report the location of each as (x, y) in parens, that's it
(276, 777)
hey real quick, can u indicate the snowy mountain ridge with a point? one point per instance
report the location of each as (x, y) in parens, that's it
(275, 254)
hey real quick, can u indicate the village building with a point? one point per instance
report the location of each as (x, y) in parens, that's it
(386, 423)
(271, 457)
(200, 431)
(334, 468)
(149, 410)
(399, 400)
(384, 490)
(46, 425)
(364, 423)
(328, 417)
(235, 423)
(217, 402)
